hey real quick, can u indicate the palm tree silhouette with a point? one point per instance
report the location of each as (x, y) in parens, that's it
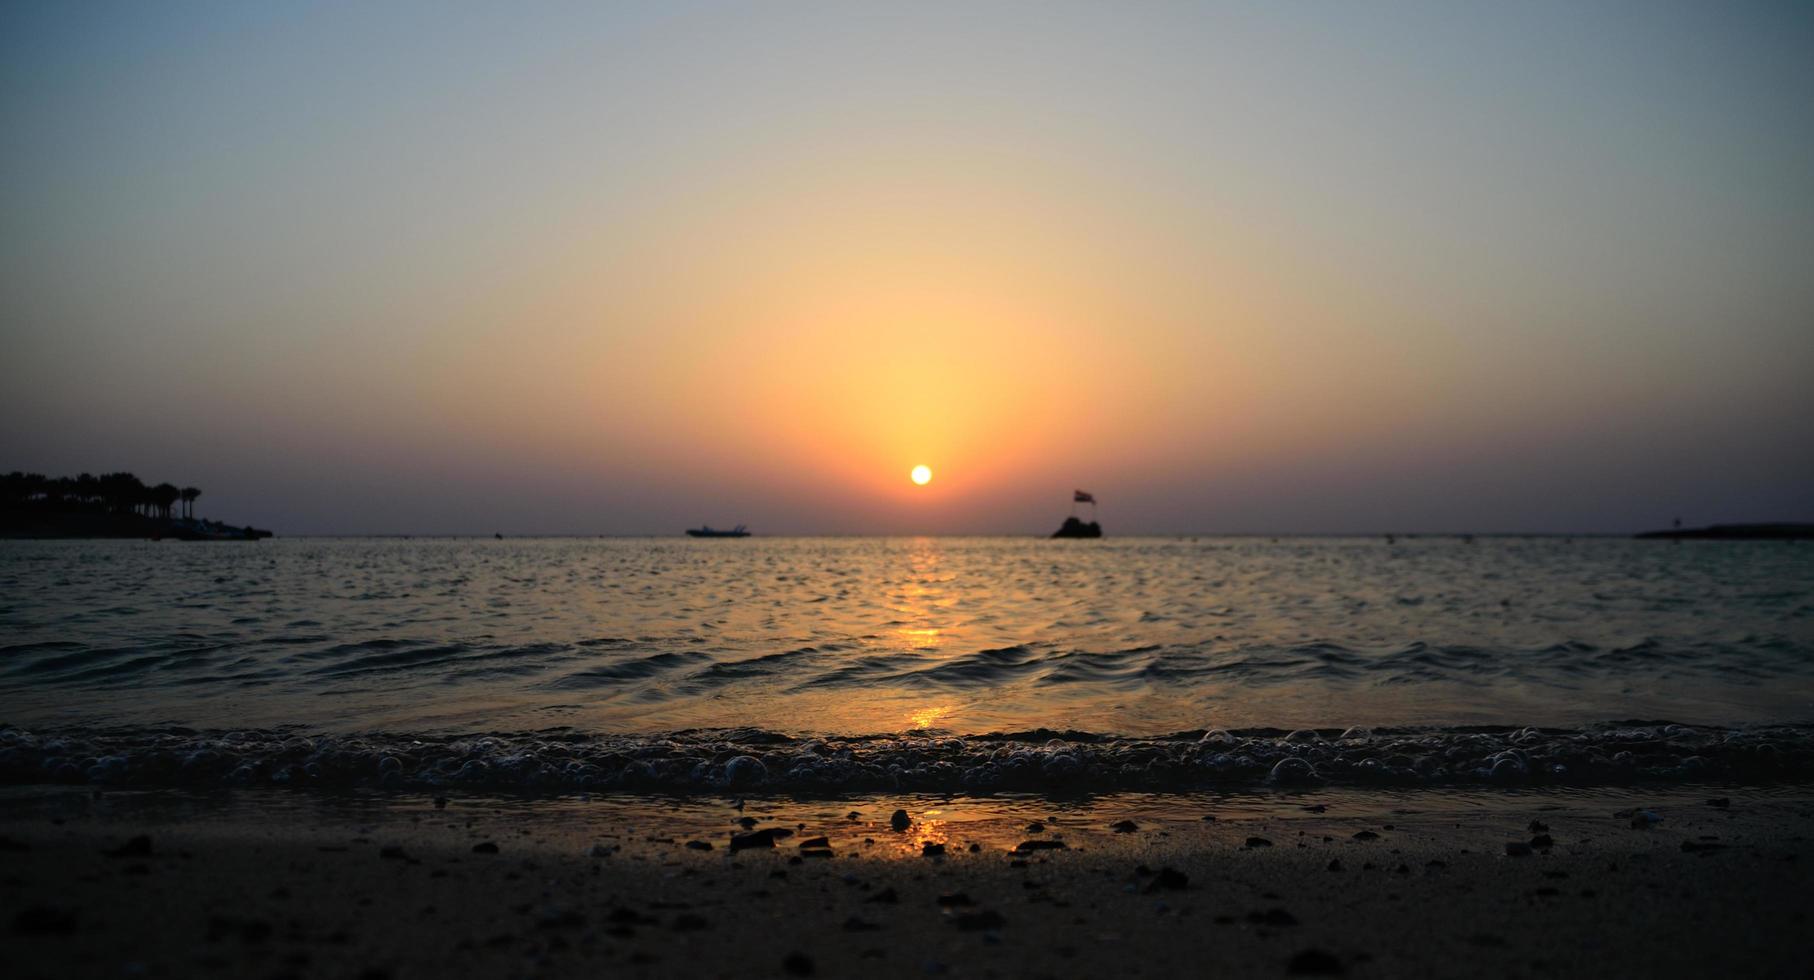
(189, 495)
(163, 496)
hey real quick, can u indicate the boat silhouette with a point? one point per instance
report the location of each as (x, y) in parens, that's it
(708, 531)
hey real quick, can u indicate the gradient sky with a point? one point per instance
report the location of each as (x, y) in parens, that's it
(1273, 267)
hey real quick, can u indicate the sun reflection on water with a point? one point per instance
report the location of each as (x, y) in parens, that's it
(926, 638)
(925, 717)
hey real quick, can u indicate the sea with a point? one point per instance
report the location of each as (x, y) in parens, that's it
(944, 665)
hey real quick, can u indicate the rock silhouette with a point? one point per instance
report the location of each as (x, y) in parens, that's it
(1074, 528)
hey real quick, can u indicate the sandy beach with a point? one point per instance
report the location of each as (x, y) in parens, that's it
(1686, 882)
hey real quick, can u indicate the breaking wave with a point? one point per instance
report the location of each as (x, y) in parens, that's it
(749, 761)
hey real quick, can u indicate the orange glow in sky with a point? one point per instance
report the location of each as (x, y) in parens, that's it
(1242, 269)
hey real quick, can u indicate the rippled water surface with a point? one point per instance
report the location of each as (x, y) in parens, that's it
(868, 636)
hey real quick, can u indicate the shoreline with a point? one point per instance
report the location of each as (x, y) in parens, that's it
(1353, 883)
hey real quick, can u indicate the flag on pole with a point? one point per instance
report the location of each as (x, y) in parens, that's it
(1080, 497)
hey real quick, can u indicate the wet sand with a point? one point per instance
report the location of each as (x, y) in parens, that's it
(1377, 885)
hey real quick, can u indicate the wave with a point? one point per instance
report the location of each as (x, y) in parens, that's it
(754, 761)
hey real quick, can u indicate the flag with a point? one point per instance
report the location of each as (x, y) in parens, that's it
(1080, 497)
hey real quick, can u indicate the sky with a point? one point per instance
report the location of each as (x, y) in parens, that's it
(541, 268)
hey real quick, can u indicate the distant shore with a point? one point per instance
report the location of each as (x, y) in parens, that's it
(32, 524)
(1736, 532)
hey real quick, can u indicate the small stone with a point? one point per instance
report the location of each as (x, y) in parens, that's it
(485, 847)
(746, 822)
(699, 845)
(977, 921)
(1169, 879)
(44, 920)
(1124, 826)
(393, 852)
(900, 820)
(1316, 808)
(1026, 846)
(1365, 835)
(759, 838)
(854, 815)
(932, 849)
(1253, 842)
(139, 846)
(1036, 828)
(1334, 865)
(814, 842)
(1543, 841)
(1315, 962)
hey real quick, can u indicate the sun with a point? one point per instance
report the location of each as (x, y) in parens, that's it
(922, 474)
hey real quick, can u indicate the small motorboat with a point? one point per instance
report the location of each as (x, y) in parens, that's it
(709, 531)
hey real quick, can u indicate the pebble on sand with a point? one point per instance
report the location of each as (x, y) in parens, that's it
(1169, 879)
(759, 838)
(485, 847)
(1258, 842)
(699, 845)
(1039, 845)
(1315, 962)
(900, 820)
(139, 846)
(44, 920)
(932, 849)
(1124, 826)
(977, 921)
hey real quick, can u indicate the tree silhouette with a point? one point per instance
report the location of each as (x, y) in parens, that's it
(189, 495)
(163, 497)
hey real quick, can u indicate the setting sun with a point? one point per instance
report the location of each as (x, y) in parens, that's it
(922, 474)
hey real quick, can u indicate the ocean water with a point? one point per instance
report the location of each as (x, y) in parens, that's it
(901, 655)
